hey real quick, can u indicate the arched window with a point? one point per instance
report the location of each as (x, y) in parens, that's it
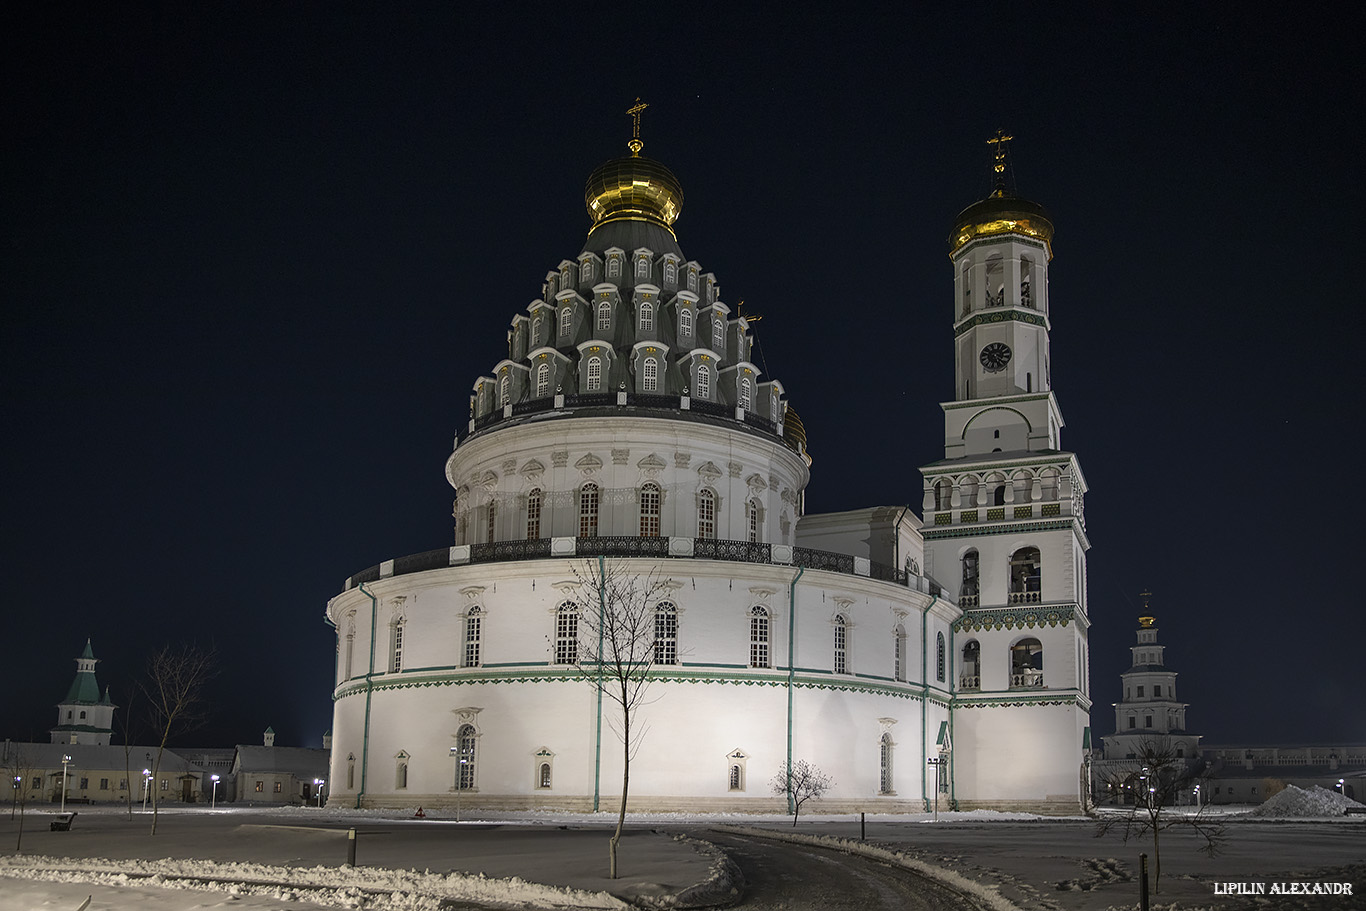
(996, 290)
(566, 320)
(588, 510)
(604, 316)
(752, 511)
(692, 280)
(350, 772)
(706, 514)
(350, 651)
(841, 628)
(614, 266)
(899, 660)
(649, 375)
(1026, 663)
(736, 778)
(939, 662)
(943, 494)
(643, 267)
(969, 676)
(885, 765)
(492, 522)
(543, 380)
(998, 495)
(401, 775)
(533, 514)
(1026, 282)
(684, 321)
(473, 635)
(649, 510)
(968, 594)
(703, 382)
(465, 742)
(758, 637)
(746, 393)
(505, 390)
(718, 336)
(1026, 576)
(670, 273)
(536, 324)
(647, 316)
(543, 775)
(567, 633)
(967, 288)
(396, 651)
(967, 487)
(666, 633)
(594, 383)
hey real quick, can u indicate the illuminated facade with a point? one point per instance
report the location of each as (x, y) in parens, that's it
(628, 425)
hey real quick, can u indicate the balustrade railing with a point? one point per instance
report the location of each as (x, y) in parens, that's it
(822, 559)
(1023, 598)
(736, 551)
(499, 551)
(969, 601)
(967, 682)
(633, 399)
(621, 546)
(1027, 679)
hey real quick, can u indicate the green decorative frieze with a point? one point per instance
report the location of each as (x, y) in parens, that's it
(1001, 316)
(974, 621)
(937, 533)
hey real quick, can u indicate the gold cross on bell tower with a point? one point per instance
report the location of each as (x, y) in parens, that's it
(635, 145)
(998, 166)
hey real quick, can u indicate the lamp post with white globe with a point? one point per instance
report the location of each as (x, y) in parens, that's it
(318, 783)
(66, 760)
(146, 787)
(213, 805)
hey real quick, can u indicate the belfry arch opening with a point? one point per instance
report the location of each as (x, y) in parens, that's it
(1026, 663)
(1026, 576)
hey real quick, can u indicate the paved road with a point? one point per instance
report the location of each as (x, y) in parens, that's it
(783, 877)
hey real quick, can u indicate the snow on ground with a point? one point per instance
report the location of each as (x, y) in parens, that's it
(322, 887)
(1301, 804)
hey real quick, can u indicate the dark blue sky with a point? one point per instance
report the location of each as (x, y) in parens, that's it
(256, 254)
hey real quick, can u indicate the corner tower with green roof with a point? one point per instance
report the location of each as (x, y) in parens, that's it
(85, 716)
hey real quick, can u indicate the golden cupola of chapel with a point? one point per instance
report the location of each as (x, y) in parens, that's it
(1002, 212)
(634, 188)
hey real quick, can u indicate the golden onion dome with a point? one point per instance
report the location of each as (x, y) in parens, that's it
(1001, 213)
(634, 188)
(794, 433)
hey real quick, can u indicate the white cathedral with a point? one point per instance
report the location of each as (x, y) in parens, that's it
(628, 424)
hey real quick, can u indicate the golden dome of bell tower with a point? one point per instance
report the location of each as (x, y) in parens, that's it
(634, 188)
(1002, 212)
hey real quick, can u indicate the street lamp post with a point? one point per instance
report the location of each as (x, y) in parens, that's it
(318, 783)
(66, 760)
(1342, 786)
(146, 787)
(937, 762)
(214, 803)
(17, 781)
(459, 778)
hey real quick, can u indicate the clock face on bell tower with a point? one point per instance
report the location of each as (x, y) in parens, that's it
(994, 357)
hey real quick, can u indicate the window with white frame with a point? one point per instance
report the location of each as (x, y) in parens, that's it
(706, 514)
(885, 762)
(703, 381)
(594, 383)
(692, 280)
(588, 510)
(396, 651)
(758, 637)
(752, 511)
(536, 324)
(649, 375)
(491, 519)
(670, 272)
(647, 316)
(566, 320)
(466, 741)
(533, 514)
(642, 267)
(718, 335)
(841, 630)
(666, 633)
(543, 776)
(746, 393)
(613, 266)
(604, 316)
(474, 622)
(567, 633)
(685, 320)
(350, 652)
(504, 390)
(401, 772)
(649, 510)
(543, 379)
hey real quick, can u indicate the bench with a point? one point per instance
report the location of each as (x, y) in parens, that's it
(1354, 811)
(63, 822)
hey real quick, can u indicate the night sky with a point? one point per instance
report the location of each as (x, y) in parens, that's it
(255, 256)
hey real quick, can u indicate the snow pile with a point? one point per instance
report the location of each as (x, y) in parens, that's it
(331, 887)
(1296, 802)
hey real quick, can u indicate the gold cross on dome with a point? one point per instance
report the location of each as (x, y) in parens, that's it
(635, 111)
(999, 165)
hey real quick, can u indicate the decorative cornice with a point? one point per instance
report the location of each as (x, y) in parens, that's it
(561, 674)
(1025, 617)
(980, 529)
(1000, 316)
(1020, 700)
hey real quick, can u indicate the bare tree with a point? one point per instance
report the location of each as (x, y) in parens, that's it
(1158, 780)
(128, 723)
(803, 781)
(619, 640)
(174, 689)
(18, 769)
